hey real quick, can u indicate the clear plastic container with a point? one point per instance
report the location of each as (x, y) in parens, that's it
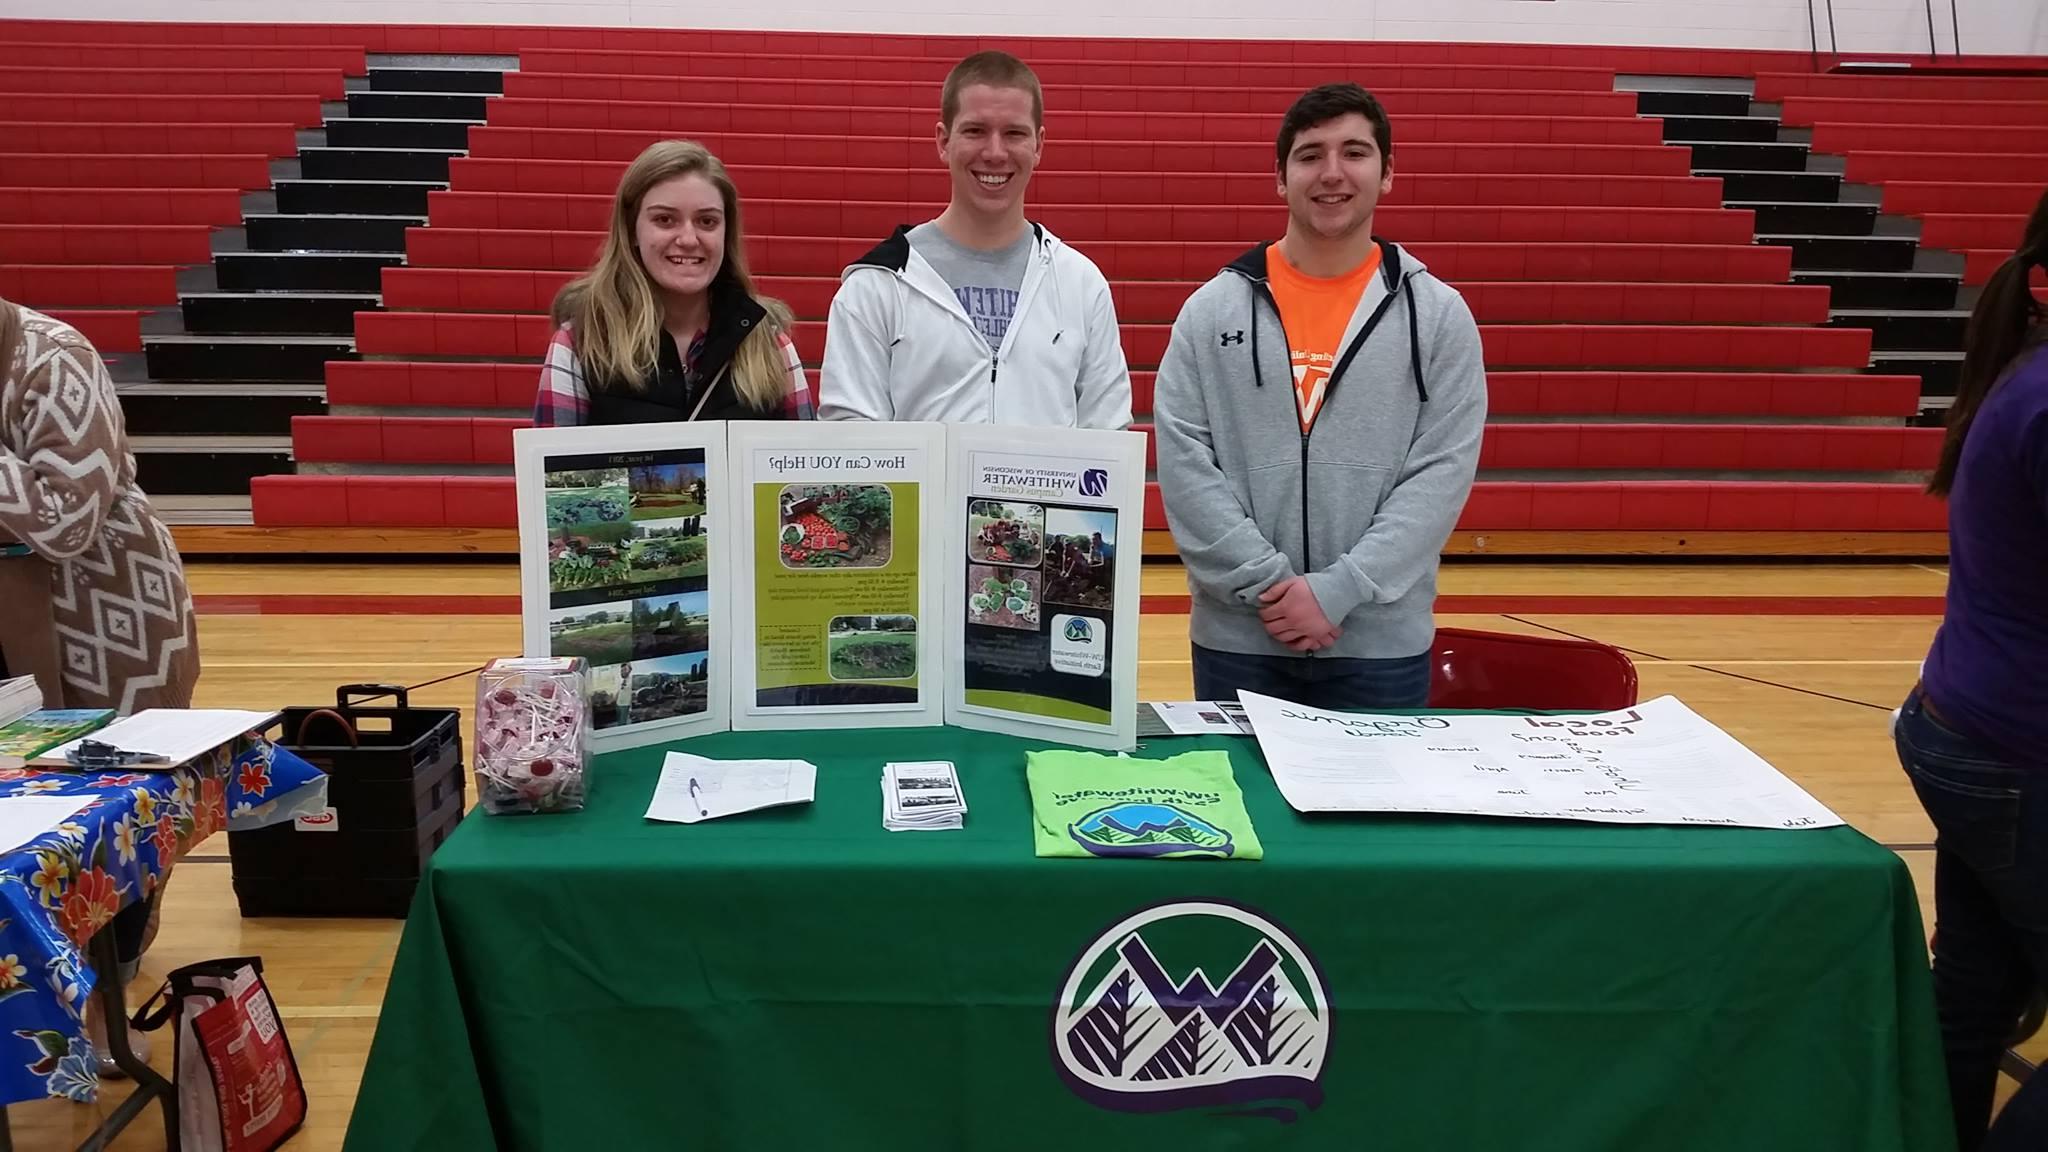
(531, 723)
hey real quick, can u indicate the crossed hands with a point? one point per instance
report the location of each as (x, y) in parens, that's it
(1293, 617)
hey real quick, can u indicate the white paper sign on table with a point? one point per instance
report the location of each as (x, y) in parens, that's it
(1657, 763)
(694, 788)
(23, 818)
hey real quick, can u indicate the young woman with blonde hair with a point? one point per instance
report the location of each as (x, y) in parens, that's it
(666, 325)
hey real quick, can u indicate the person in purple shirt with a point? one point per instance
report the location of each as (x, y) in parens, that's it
(1973, 733)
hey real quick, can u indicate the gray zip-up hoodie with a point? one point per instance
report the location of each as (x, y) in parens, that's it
(1361, 503)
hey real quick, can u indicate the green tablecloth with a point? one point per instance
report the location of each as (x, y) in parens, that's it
(801, 978)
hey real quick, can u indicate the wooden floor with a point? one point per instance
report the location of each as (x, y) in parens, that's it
(1805, 670)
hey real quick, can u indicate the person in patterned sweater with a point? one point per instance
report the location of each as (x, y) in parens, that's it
(125, 633)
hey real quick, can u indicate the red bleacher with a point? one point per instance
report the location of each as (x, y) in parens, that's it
(1972, 196)
(1609, 283)
(127, 140)
(1501, 189)
(115, 172)
(348, 59)
(90, 171)
(1686, 290)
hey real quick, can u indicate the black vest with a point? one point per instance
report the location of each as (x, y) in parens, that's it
(675, 391)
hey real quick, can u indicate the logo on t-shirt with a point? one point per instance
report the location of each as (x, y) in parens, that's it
(990, 309)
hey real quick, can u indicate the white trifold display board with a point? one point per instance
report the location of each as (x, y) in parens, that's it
(772, 575)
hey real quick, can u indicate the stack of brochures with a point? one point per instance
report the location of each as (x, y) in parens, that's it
(921, 796)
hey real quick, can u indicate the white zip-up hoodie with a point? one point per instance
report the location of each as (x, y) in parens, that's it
(898, 346)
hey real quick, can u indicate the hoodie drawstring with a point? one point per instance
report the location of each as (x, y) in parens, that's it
(1258, 377)
(1415, 342)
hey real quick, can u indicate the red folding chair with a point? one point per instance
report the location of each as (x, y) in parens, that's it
(1499, 670)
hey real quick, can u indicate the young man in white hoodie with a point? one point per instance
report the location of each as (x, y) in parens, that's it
(1318, 416)
(978, 316)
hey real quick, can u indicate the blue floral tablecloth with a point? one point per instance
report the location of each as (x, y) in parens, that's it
(59, 889)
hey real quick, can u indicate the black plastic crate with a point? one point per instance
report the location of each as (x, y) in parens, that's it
(396, 789)
(383, 764)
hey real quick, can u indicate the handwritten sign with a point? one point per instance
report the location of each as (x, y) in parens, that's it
(1657, 763)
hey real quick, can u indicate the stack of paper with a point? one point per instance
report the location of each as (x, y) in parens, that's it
(19, 697)
(1195, 718)
(168, 737)
(921, 796)
(694, 788)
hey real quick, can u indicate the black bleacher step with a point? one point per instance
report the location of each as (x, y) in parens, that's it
(1683, 103)
(1891, 290)
(296, 313)
(484, 81)
(241, 409)
(1937, 370)
(349, 132)
(1810, 217)
(374, 197)
(287, 232)
(416, 106)
(1782, 187)
(1750, 155)
(1906, 329)
(207, 465)
(289, 359)
(1758, 129)
(1860, 253)
(375, 164)
(315, 271)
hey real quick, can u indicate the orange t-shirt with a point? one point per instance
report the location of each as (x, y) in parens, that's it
(1315, 311)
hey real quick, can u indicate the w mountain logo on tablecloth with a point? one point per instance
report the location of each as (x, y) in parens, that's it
(1140, 1026)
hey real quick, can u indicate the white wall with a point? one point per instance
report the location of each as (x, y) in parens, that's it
(1988, 26)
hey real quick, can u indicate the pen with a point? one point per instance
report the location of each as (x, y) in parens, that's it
(701, 809)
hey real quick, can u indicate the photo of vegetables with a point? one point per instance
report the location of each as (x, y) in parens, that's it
(587, 528)
(834, 525)
(1003, 597)
(872, 647)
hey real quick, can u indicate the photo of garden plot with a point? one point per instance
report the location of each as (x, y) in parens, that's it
(669, 687)
(671, 625)
(600, 633)
(835, 525)
(999, 532)
(1080, 558)
(666, 491)
(1003, 597)
(663, 550)
(872, 647)
(587, 528)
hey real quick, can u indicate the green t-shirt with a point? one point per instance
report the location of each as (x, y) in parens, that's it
(1182, 807)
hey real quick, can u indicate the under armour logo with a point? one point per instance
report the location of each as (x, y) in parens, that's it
(1230, 338)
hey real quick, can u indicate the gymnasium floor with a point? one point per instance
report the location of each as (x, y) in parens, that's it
(1802, 662)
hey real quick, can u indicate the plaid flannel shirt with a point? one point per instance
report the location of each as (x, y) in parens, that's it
(564, 398)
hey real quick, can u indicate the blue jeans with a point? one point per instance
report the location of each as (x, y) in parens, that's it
(1337, 683)
(1991, 917)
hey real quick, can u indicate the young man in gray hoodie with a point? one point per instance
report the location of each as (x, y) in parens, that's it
(1318, 415)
